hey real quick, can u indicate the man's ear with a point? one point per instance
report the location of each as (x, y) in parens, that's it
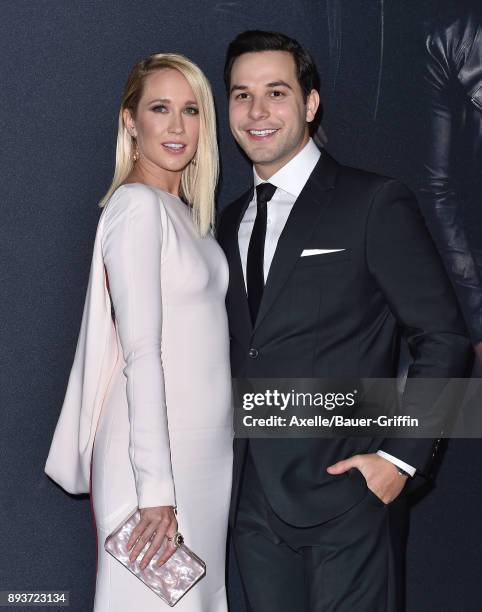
(129, 122)
(312, 104)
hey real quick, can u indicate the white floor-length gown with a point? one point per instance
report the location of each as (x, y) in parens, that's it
(164, 436)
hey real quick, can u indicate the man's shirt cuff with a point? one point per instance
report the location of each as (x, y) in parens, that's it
(398, 462)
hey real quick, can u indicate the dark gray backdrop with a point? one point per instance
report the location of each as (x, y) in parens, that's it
(64, 63)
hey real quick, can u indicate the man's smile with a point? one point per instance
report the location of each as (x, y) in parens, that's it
(262, 134)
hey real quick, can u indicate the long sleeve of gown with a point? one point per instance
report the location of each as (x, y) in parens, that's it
(132, 245)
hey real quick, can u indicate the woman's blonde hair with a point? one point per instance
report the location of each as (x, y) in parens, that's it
(199, 179)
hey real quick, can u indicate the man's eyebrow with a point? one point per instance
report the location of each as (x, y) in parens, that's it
(238, 87)
(279, 83)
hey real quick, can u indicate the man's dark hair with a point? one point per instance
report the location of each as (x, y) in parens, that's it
(258, 40)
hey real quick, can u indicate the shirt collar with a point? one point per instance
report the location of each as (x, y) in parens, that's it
(292, 176)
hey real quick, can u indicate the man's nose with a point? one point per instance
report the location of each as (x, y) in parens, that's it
(258, 109)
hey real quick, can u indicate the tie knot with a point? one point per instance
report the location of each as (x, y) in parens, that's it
(264, 193)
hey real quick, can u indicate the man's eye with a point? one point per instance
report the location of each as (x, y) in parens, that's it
(242, 96)
(159, 108)
(191, 110)
(277, 94)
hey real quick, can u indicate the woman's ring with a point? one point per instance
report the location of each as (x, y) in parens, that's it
(177, 539)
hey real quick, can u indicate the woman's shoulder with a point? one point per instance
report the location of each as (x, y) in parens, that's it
(136, 192)
(134, 201)
(130, 196)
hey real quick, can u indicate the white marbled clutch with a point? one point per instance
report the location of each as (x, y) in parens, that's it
(169, 581)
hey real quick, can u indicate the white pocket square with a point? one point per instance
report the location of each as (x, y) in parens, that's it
(308, 252)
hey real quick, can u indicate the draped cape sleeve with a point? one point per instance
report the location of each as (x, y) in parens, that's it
(96, 354)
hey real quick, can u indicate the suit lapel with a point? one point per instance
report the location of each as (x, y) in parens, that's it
(301, 222)
(236, 297)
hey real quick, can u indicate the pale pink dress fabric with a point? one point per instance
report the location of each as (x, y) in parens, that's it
(162, 428)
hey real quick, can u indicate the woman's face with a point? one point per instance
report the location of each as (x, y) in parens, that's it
(166, 124)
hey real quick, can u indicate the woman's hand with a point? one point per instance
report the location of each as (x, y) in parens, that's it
(155, 523)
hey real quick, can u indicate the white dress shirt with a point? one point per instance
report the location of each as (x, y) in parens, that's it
(289, 181)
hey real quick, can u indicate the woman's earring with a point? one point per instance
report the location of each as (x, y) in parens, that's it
(193, 161)
(135, 155)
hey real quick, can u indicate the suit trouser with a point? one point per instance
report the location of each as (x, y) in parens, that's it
(353, 562)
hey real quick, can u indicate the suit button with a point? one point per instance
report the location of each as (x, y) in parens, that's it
(253, 353)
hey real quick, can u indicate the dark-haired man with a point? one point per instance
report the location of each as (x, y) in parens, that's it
(327, 265)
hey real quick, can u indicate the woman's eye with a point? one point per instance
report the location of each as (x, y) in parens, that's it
(160, 108)
(191, 110)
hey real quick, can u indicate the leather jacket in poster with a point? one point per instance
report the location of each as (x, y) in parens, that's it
(450, 190)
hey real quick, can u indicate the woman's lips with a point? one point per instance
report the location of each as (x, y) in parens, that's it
(175, 148)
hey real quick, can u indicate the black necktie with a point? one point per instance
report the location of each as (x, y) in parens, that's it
(254, 266)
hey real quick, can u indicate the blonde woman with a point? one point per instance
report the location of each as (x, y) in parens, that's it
(158, 433)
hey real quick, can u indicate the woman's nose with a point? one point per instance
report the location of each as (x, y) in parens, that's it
(176, 125)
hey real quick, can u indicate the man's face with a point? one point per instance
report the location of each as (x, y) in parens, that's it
(267, 114)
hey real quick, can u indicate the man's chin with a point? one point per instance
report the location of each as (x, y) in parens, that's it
(259, 155)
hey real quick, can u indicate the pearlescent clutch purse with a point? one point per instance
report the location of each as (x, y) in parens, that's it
(171, 580)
